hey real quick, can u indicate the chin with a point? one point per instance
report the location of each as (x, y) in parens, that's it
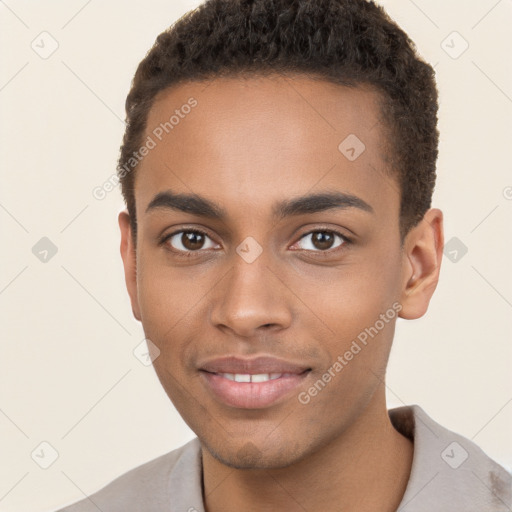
(249, 456)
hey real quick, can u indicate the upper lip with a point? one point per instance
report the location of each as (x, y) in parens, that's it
(254, 366)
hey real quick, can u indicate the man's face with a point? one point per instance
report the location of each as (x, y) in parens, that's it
(267, 282)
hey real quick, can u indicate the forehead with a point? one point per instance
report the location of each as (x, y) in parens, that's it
(256, 140)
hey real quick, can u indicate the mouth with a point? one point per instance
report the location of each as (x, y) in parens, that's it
(252, 383)
(258, 377)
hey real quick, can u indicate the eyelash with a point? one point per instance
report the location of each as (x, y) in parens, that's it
(187, 254)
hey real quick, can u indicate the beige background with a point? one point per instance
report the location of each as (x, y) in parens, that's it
(68, 374)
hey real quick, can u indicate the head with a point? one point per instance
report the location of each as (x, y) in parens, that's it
(281, 207)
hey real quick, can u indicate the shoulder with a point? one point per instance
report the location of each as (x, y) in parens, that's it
(151, 486)
(449, 471)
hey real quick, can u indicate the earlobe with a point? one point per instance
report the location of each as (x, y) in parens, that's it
(423, 251)
(129, 256)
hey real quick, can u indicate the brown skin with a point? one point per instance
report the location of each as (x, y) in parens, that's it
(248, 144)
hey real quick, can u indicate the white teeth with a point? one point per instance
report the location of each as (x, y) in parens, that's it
(246, 377)
(261, 377)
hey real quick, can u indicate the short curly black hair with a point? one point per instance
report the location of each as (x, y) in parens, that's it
(347, 42)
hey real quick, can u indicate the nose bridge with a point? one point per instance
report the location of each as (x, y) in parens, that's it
(250, 296)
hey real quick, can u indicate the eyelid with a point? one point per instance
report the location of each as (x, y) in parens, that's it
(346, 240)
(165, 238)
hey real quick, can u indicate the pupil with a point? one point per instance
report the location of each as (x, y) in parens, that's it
(192, 240)
(323, 240)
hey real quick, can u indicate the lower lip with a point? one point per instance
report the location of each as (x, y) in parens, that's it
(252, 395)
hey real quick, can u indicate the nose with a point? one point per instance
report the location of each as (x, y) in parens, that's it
(251, 299)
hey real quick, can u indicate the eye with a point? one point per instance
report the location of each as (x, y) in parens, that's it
(190, 240)
(322, 240)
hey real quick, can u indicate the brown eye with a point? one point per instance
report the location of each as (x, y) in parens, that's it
(190, 241)
(322, 240)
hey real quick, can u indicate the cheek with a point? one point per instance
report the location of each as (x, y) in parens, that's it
(173, 304)
(347, 299)
(357, 305)
(166, 294)
(168, 302)
(163, 305)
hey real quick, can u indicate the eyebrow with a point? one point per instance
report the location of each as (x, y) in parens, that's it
(308, 204)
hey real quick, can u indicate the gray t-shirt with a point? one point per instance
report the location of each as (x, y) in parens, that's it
(449, 473)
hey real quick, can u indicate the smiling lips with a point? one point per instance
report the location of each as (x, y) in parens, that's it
(251, 383)
(247, 377)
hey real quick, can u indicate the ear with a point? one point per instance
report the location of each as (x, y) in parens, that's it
(129, 256)
(422, 256)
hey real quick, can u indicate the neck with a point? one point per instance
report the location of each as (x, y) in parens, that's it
(364, 469)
